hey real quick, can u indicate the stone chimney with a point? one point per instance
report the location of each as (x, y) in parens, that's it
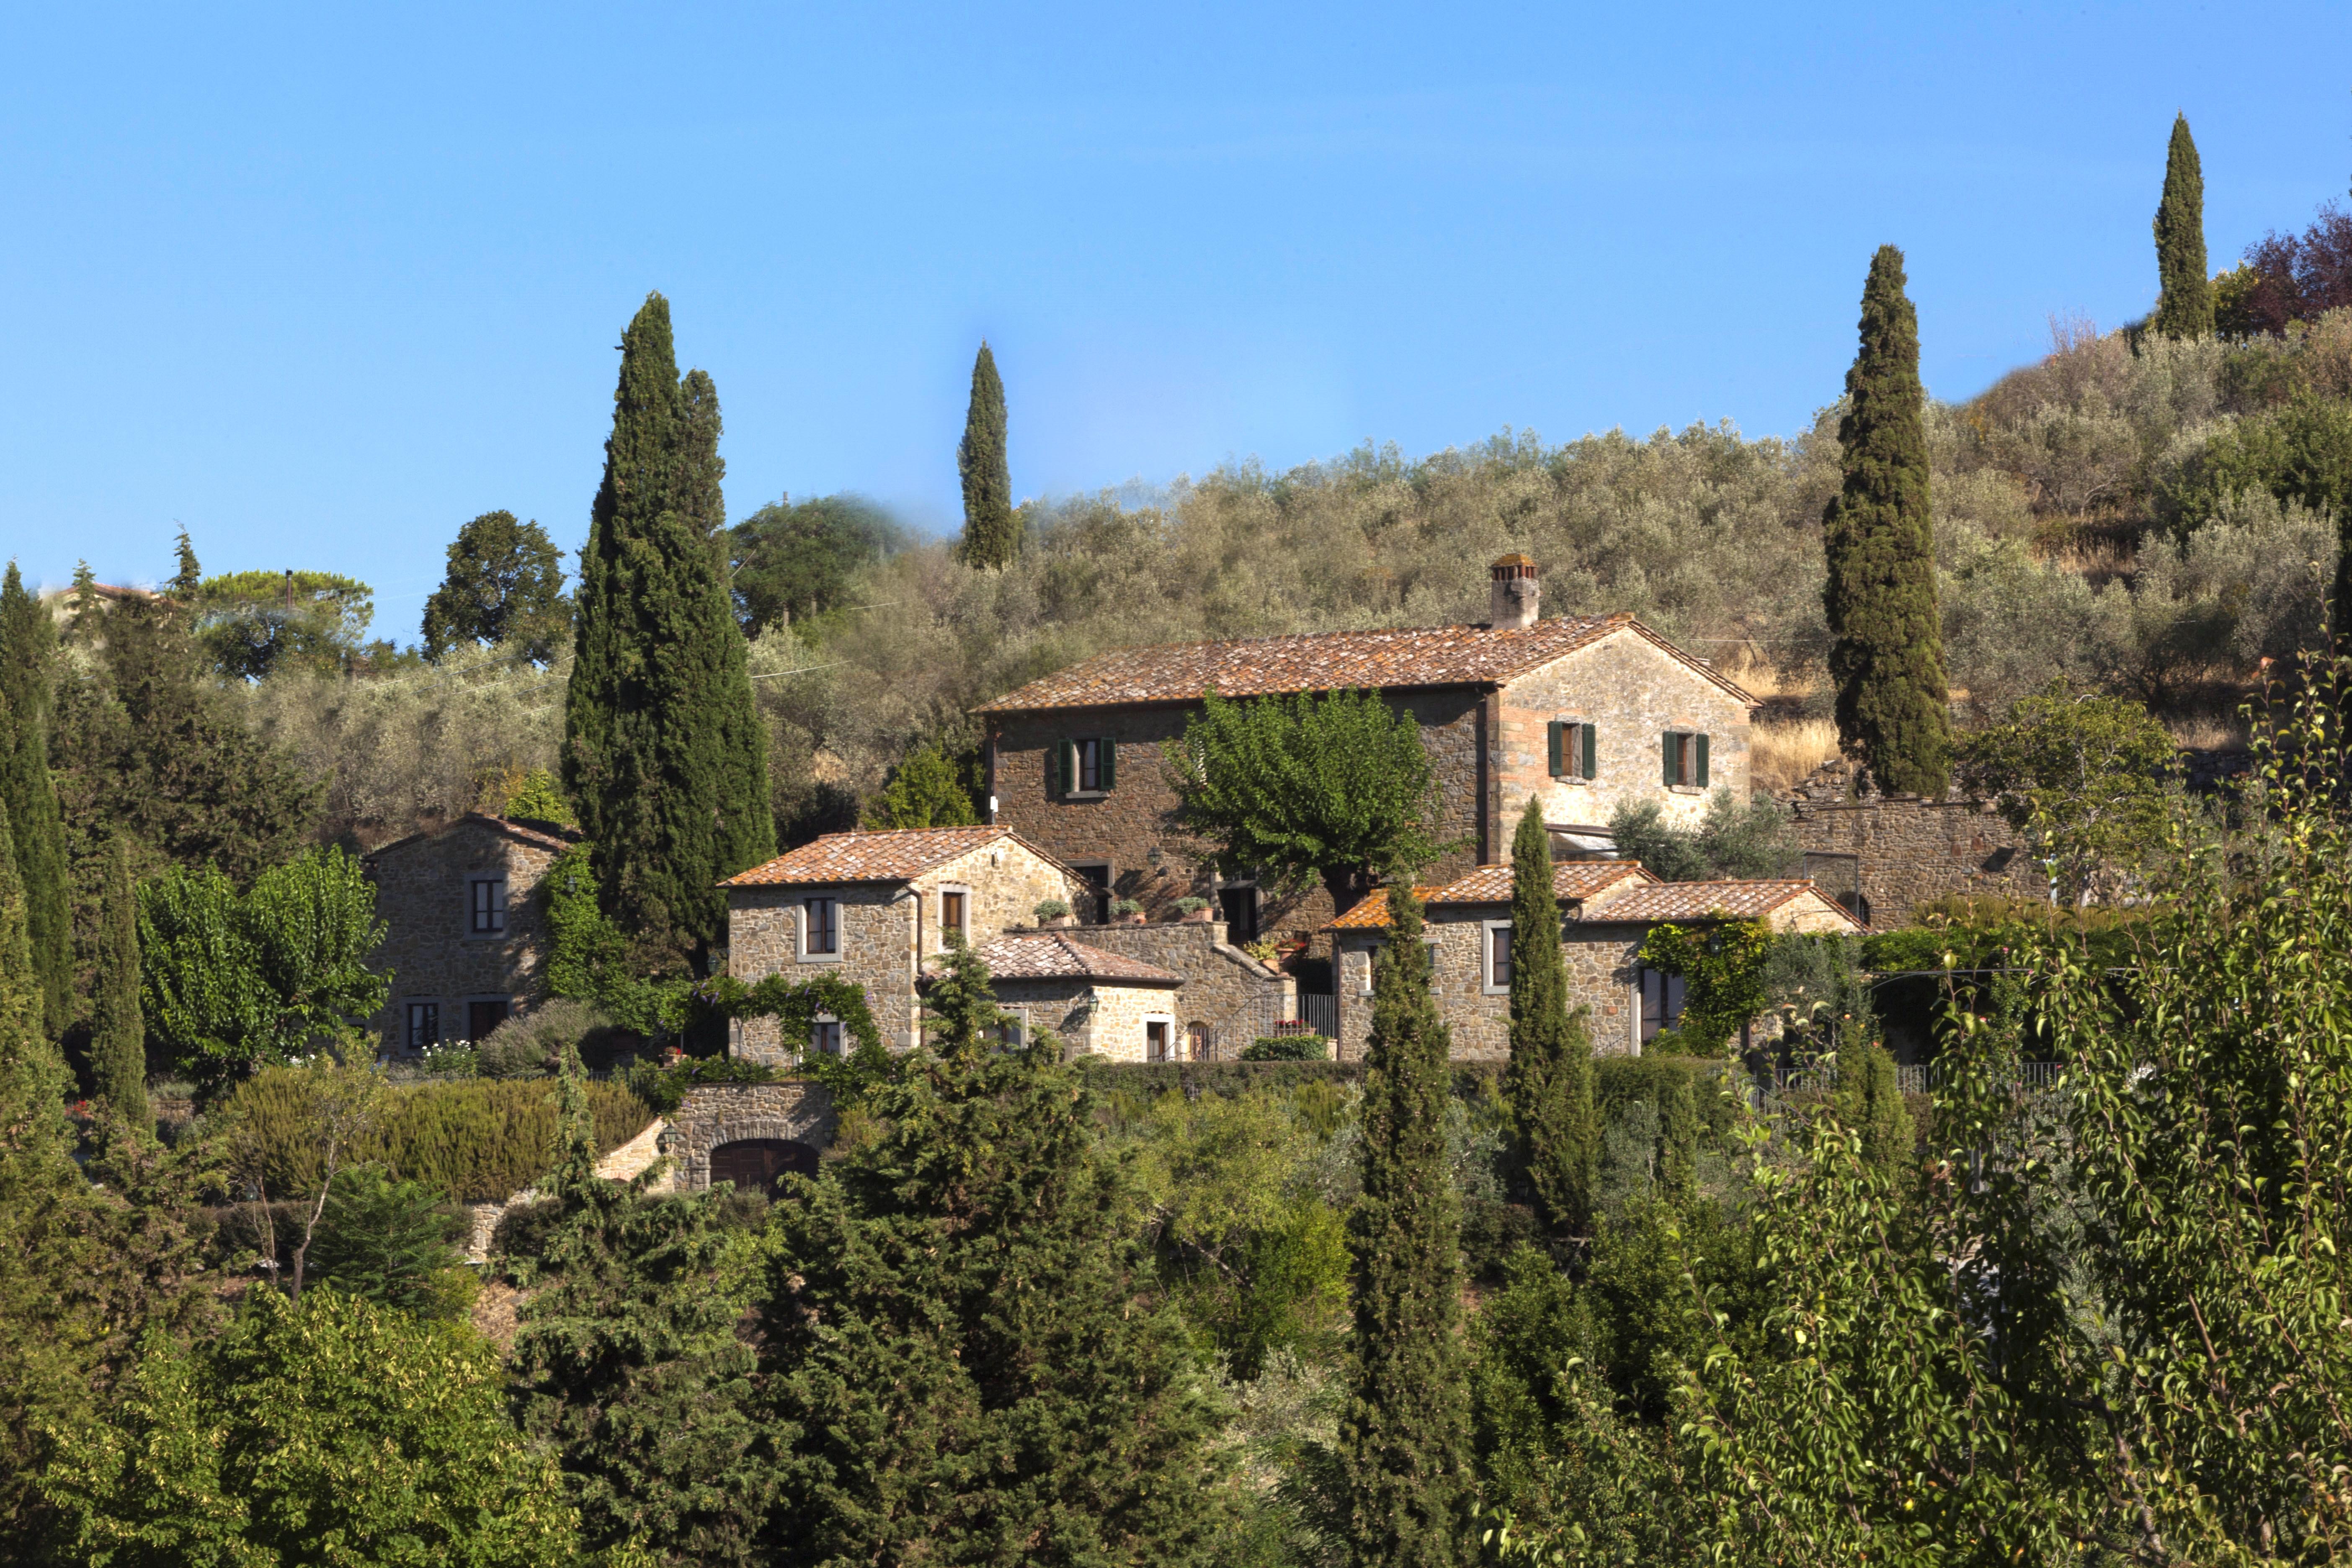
(1511, 597)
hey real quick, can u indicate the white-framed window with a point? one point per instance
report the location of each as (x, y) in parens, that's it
(955, 914)
(486, 903)
(820, 930)
(1159, 1039)
(1682, 757)
(424, 1025)
(1495, 956)
(825, 1036)
(1574, 749)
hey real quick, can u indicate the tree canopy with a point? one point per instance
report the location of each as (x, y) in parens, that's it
(794, 561)
(2084, 778)
(504, 584)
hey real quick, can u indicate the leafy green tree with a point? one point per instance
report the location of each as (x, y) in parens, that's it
(964, 1364)
(1886, 652)
(336, 1426)
(538, 797)
(1733, 841)
(1549, 1079)
(2184, 303)
(118, 1041)
(2086, 779)
(1337, 789)
(255, 624)
(27, 684)
(925, 789)
(797, 560)
(992, 530)
(628, 1364)
(1404, 1442)
(229, 982)
(1726, 968)
(392, 1242)
(1870, 1102)
(2301, 452)
(505, 584)
(663, 753)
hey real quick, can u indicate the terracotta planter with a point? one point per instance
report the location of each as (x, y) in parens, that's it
(1196, 916)
(1134, 919)
(1057, 923)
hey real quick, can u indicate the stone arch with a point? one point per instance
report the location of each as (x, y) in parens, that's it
(717, 1114)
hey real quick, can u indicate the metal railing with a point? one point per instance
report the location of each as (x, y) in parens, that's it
(1308, 1013)
(1917, 1077)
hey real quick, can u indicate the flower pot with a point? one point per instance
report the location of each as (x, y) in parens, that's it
(1134, 919)
(1057, 923)
(1196, 916)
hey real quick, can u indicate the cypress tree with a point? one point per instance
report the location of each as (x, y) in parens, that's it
(663, 754)
(28, 643)
(1405, 1442)
(1886, 652)
(2184, 302)
(1549, 1080)
(964, 1359)
(991, 533)
(118, 1044)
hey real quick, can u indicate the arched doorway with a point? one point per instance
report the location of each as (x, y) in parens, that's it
(758, 1164)
(1200, 1042)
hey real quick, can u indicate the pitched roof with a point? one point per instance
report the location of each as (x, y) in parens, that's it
(557, 841)
(892, 855)
(1574, 880)
(1395, 659)
(1049, 956)
(1698, 901)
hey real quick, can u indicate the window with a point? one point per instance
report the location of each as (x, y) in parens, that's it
(1685, 754)
(820, 928)
(1089, 765)
(1155, 1039)
(424, 1025)
(1200, 1042)
(955, 904)
(1662, 1002)
(1237, 906)
(489, 906)
(483, 1018)
(825, 1036)
(1092, 905)
(1572, 747)
(1497, 936)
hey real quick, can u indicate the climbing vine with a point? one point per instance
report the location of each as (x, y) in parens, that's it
(1722, 968)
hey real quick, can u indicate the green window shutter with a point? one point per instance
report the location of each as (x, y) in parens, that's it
(1666, 752)
(1702, 762)
(1586, 731)
(1551, 735)
(1109, 761)
(1065, 766)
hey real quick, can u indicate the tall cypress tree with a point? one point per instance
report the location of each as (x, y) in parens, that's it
(118, 1044)
(991, 533)
(2184, 303)
(1549, 1080)
(29, 643)
(1404, 1442)
(1886, 652)
(663, 754)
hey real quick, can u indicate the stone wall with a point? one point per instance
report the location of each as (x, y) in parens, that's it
(1912, 849)
(1223, 988)
(423, 896)
(795, 1111)
(1600, 976)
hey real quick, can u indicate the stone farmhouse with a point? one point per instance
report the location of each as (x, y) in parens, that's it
(466, 938)
(1583, 712)
(1607, 908)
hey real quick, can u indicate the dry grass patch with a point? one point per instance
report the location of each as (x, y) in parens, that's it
(1780, 756)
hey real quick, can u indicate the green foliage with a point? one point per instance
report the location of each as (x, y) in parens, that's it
(2300, 453)
(664, 1088)
(1052, 909)
(254, 624)
(392, 1242)
(27, 682)
(1682, 1111)
(926, 789)
(1732, 841)
(228, 982)
(960, 1359)
(2184, 302)
(504, 586)
(1403, 1443)
(1337, 789)
(477, 1140)
(992, 530)
(1287, 1048)
(2086, 779)
(664, 754)
(1724, 967)
(531, 1045)
(334, 1422)
(537, 796)
(1820, 987)
(1870, 1104)
(628, 1364)
(117, 1037)
(584, 946)
(1878, 533)
(1549, 1081)
(797, 560)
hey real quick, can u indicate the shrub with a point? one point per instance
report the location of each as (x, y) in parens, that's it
(664, 1088)
(1125, 907)
(451, 1059)
(1052, 909)
(529, 1044)
(394, 1243)
(1191, 906)
(1289, 1048)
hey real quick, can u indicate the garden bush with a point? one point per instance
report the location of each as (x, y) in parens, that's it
(1289, 1048)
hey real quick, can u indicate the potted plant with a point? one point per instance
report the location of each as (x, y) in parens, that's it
(1053, 912)
(1193, 910)
(1126, 912)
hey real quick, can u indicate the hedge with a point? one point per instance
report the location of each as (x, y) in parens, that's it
(477, 1140)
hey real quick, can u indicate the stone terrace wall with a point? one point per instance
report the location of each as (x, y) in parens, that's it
(1913, 849)
(1223, 988)
(795, 1111)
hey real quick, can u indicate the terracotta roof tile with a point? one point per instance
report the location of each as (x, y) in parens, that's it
(1049, 956)
(1399, 658)
(1697, 901)
(557, 841)
(1574, 880)
(895, 855)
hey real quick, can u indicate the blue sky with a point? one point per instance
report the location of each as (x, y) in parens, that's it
(321, 284)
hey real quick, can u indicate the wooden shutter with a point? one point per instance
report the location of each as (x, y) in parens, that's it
(1702, 761)
(1551, 736)
(1585, 733)
(1065, 766)
(1108, 771)
(1666, 752)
